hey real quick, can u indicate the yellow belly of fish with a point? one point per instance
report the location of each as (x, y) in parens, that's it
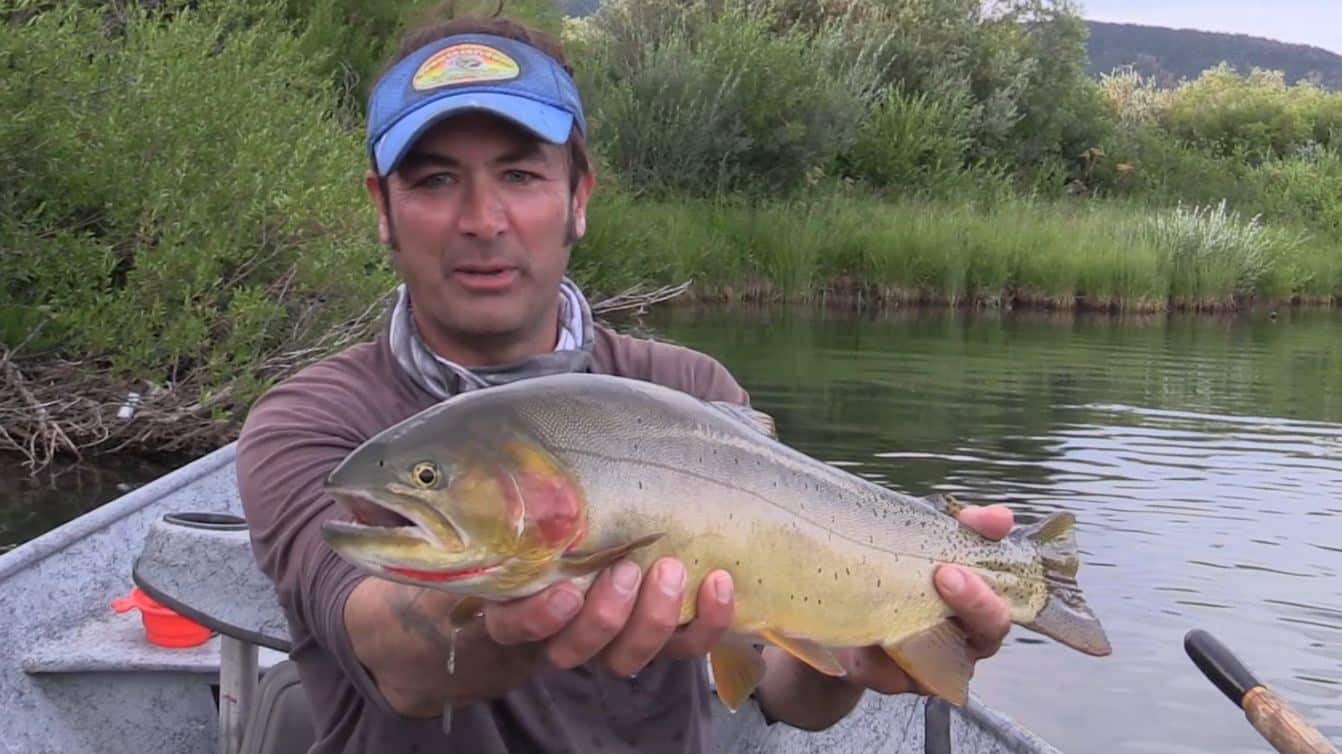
(794, 582)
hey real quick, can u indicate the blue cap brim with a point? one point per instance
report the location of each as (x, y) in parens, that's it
(548, 123)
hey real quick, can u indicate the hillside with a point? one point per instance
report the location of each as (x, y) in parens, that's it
(1173, 54)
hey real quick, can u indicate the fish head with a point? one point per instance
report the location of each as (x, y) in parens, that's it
(487, 513)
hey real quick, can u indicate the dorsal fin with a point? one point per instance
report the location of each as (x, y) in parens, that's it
(754, 418)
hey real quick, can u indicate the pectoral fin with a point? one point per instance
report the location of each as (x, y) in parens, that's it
(576, 564)
(737, 670)
(807, 651)
(939, 659)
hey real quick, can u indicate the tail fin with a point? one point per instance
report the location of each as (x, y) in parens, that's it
(1065, 615)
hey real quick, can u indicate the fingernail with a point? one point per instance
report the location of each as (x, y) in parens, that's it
(722, 588)
(563, 604)
(952, 580)
(625, 576)
(671, 577)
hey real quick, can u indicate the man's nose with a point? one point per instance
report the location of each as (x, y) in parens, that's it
(481, 213)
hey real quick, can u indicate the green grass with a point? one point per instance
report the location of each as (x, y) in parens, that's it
(1066, 254)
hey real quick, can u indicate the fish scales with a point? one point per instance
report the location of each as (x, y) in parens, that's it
(811, 542)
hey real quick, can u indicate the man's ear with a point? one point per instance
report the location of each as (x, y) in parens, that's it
(586, 182)
(374, 187)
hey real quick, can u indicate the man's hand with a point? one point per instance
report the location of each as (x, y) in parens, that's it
(796, 694)
(983, 615)
(624, 620)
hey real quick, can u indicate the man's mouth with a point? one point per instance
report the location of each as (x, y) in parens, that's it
(485, 277)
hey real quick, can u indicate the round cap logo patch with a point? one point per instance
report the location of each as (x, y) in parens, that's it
(465, 64)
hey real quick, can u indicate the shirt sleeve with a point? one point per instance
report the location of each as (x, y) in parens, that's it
(290, 442)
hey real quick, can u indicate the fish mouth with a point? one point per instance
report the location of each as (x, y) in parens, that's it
(404, 553)
(412, 520)
(413, 550)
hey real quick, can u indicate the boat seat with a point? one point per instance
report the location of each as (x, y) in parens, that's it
(280, 721)
(201, 566)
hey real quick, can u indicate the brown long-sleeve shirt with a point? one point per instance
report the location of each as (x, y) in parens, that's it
(298, 432)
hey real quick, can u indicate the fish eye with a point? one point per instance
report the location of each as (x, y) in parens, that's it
(425, 474)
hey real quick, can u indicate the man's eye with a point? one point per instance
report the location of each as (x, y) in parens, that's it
(519, 176)
(436, 179)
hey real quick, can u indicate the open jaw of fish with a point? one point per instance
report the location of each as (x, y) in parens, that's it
(425, 546)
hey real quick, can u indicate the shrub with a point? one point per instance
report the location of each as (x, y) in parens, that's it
(704, 101)
(912, 143)
(181, 201)
(1209, 249)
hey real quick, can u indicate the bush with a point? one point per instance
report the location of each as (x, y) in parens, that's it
(704, 101)
(912, 143)
(1255, 116)
(1211, 249)
(181, 203)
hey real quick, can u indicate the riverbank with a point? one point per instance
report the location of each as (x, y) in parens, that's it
(846, 248)
(854, 249)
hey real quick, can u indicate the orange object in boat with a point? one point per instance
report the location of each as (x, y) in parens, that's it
(161, 625)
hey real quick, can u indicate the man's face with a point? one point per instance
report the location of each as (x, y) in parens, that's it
(481, 216)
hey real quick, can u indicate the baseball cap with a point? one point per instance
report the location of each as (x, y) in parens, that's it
(465, 72)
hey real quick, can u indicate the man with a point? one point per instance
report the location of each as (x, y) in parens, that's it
(481, 180)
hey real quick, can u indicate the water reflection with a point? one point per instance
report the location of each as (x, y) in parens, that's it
(31, 504)
(1203, 458)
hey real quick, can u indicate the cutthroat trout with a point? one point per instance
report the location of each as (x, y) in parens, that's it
(507, 490)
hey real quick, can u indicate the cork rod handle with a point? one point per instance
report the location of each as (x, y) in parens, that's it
(1268, 713)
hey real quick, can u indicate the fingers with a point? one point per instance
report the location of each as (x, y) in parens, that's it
(533, 618)
(715, 608)
(992, 521)
(623, 624)
(983, 614)
(604, 614)
(652, 622)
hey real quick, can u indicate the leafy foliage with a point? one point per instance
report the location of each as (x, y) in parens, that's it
(183, 200)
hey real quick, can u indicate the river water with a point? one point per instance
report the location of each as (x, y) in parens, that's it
(1201, 455)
